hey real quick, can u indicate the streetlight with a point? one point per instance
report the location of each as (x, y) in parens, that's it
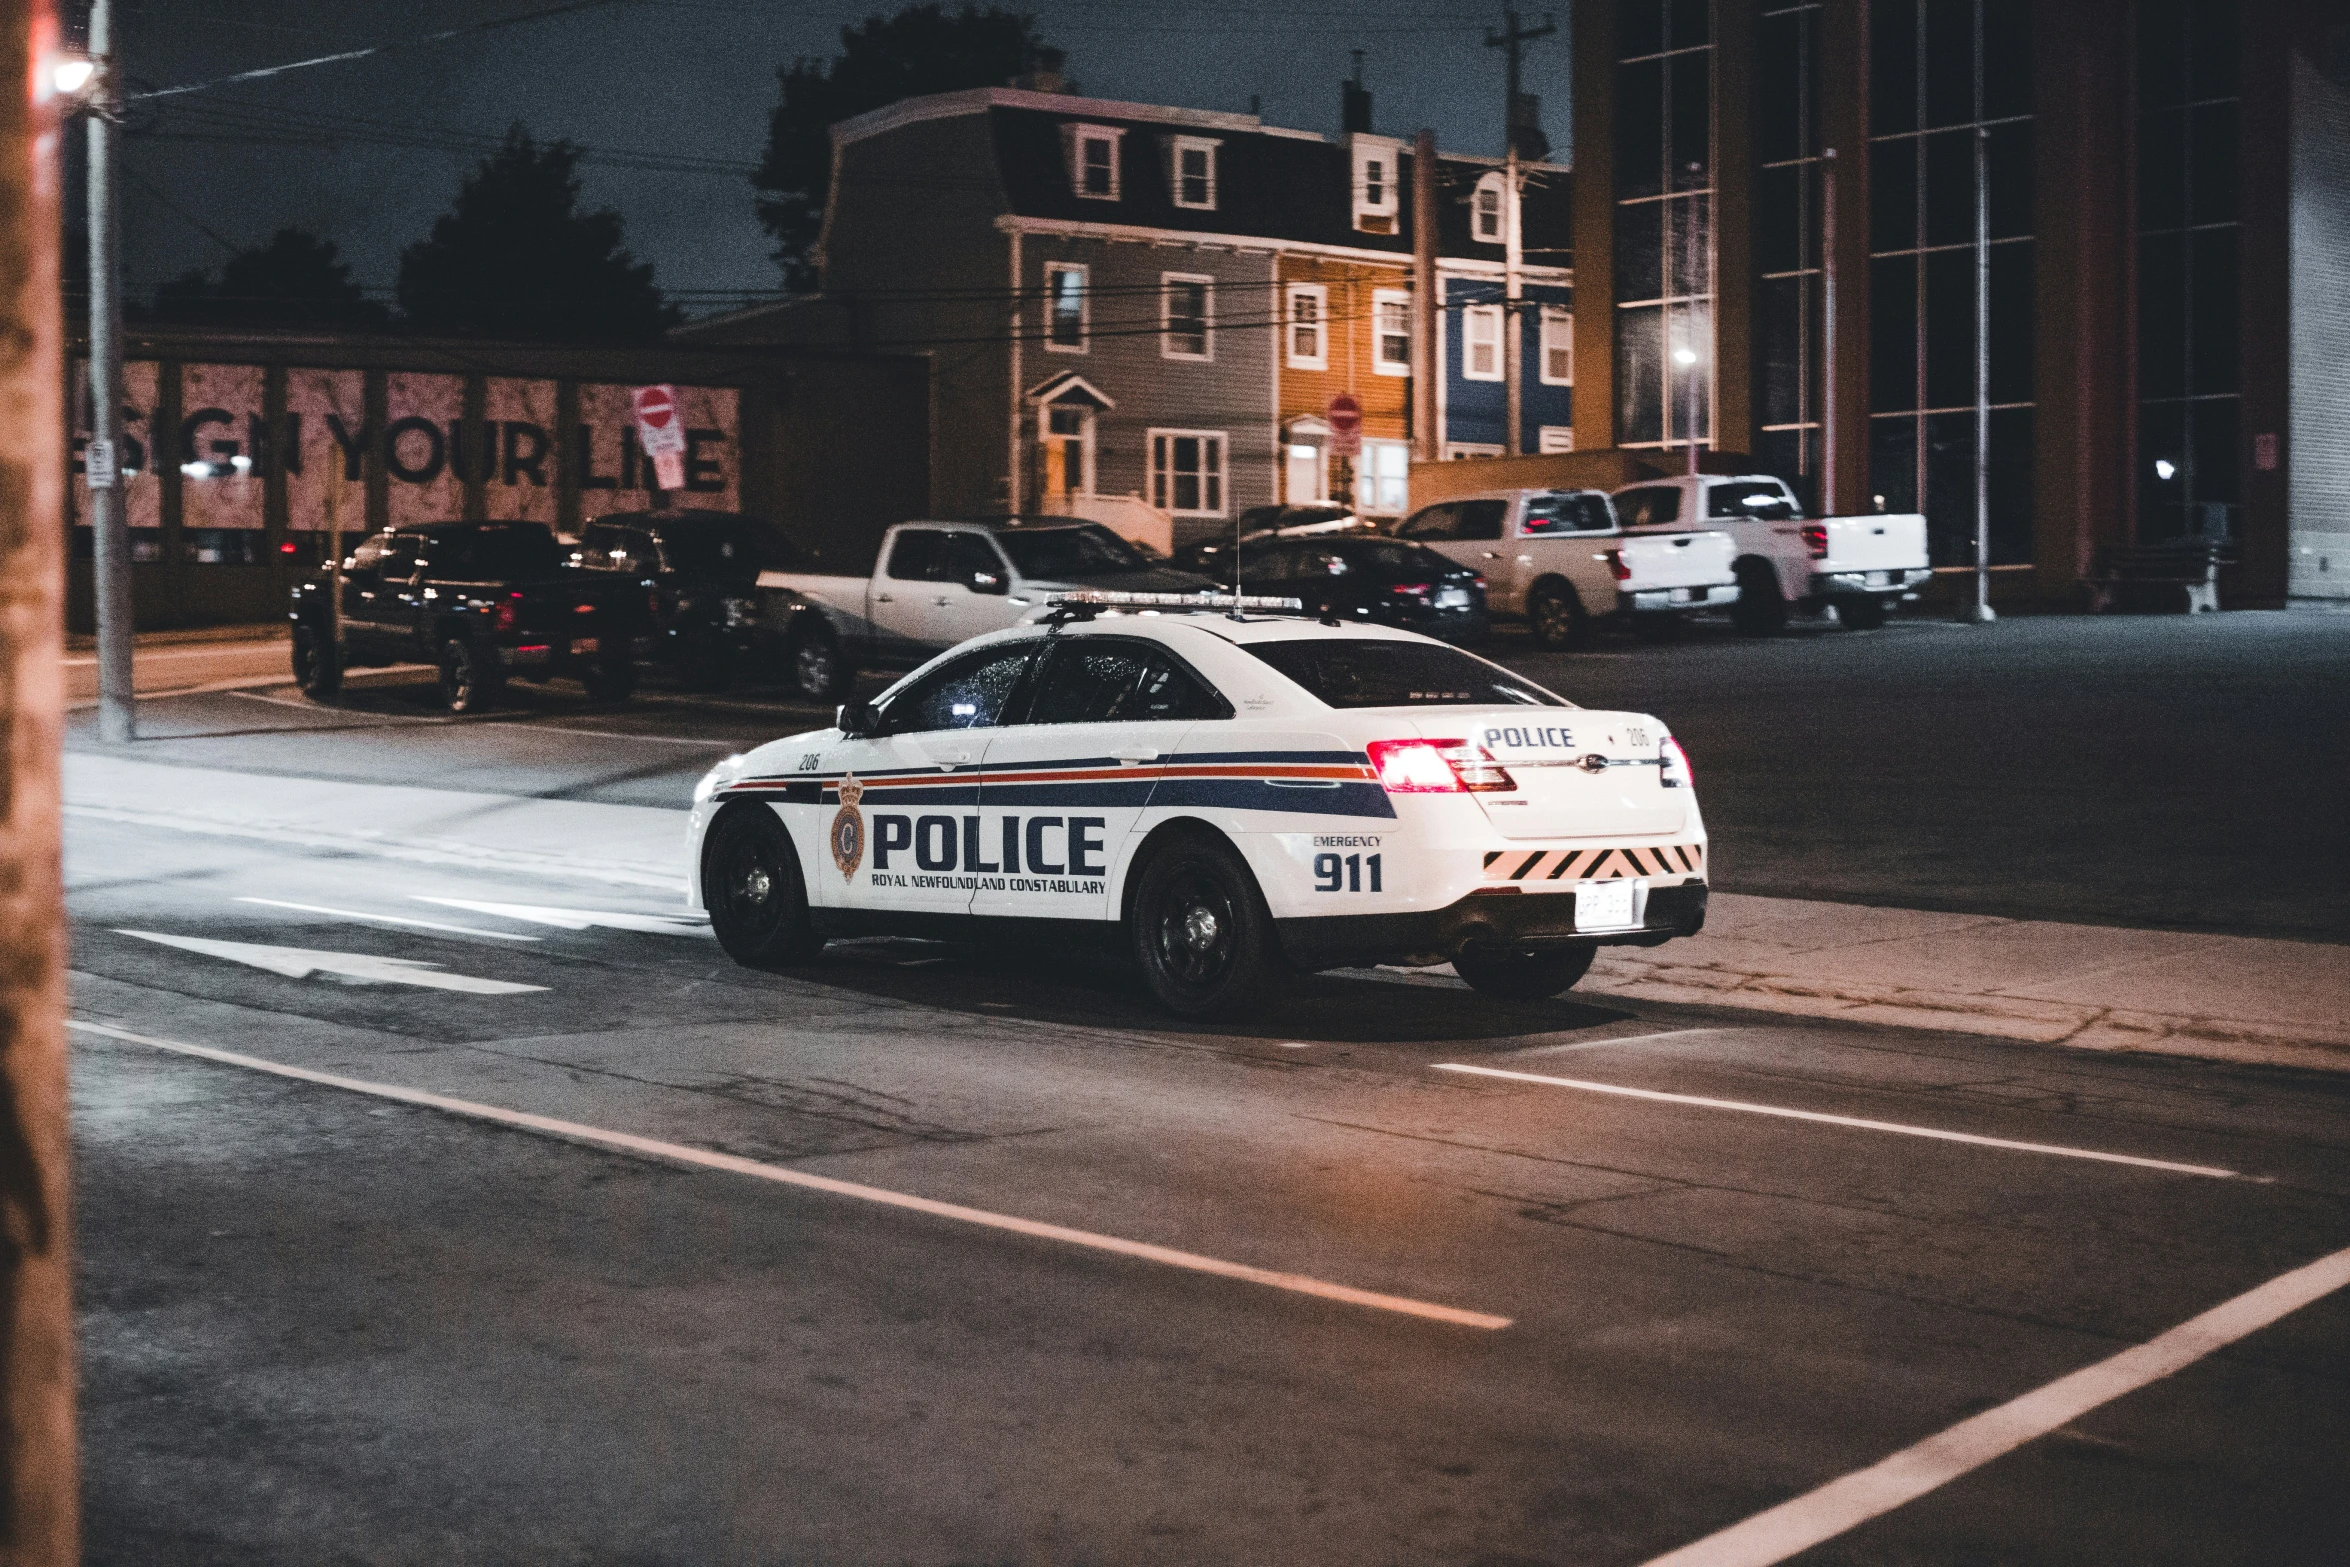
(1684, 357)
(71, 74)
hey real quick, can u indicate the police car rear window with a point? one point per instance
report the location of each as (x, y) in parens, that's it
(1347, 673)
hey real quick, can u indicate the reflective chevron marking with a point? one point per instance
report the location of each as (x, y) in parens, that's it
(1653, 860)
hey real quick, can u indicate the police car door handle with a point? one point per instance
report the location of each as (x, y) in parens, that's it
(1133, 754)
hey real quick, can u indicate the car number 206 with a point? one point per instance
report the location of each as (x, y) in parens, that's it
(1346, 873)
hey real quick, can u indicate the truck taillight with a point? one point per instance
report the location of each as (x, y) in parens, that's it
(1674, 773)
(509, 616)
(1410, 590)
(1615, 563)
(1815, 539)
(1437, 767)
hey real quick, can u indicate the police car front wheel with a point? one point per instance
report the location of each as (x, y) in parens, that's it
(1202, 933)
(1523, 975)
(752, 888)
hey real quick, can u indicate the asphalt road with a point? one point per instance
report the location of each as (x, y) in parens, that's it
(2156, 771)
(326, 1325)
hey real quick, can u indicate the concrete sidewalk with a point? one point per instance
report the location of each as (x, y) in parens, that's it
(2228, 998)
(163, 662)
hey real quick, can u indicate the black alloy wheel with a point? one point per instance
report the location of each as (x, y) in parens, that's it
(1761, 609)
(1860, 612)
(469, 678)
(819, 672)
(318, 664)
(1555, 615)
(1202, 933)
(1524, 975)
(752, 887)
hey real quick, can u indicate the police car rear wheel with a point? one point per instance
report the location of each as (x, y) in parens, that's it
(751, 886)
(1202, 932)
(1523, 976)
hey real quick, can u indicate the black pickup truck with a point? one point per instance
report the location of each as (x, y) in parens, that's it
(480, 602)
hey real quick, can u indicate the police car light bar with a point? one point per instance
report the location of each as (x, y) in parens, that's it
(1103, 599)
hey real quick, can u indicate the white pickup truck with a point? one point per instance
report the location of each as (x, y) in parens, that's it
(1559, 560)
(935, 584)
(1859, 566)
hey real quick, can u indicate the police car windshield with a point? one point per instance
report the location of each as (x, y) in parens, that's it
(1379, 673)
(1091, 551)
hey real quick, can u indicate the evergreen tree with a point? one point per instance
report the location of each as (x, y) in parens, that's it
(516, 258)
(296, 280)
(923, 49)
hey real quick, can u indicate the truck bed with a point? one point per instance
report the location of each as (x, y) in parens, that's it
(1677, 560)
(1873, 543)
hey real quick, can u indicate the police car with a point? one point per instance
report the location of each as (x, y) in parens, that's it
(1231, 795)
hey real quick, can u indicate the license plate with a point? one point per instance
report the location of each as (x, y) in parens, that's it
(1604, 905)
(581, 645)
(1679, 595)
(1880, 579)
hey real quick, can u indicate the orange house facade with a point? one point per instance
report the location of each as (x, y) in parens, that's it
(1346, 329)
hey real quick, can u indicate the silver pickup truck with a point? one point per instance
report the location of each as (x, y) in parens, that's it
(1858, 566)
(935, 584)
(1560, 560)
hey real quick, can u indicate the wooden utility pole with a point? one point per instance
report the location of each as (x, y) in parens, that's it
(1521, 138)
(1426, 304)
(39, 1491)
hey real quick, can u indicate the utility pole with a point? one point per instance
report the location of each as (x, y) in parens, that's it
(1518, 129)
(1425, 303)
(1980, 612)
(39, 1490)
(110, 535)
(1828, 333)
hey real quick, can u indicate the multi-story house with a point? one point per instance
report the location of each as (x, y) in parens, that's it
(1124, 299)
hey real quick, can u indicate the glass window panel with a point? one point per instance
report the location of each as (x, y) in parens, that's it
(1787, 453)
(1950, 188)
(1640, 255)
(2162, 53)
(1640, 366)
(1689, 388)
(1893, 71)
(1640, 27)
(1778, 87)
(2212, 47)
(1780, 304)
(2211, 177)
(1950, 62)
(1692, 24)
(1693, 120)
(1640, 129)
(2162, 315)
(1778, 219)
(1893, 195)
(2011, 486)
(2007, 58)
(2162, 170)
(2214, 322)
(1950, 328)
(2162, 450)
(1950, 488)
(1893, 463)
(2214, 440)
(1893, 325)
(2011, 180)
(1688, 245)
(2012, 303)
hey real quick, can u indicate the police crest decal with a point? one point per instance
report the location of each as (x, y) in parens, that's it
(848, 829)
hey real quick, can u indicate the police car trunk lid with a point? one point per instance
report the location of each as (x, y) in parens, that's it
(1577, 773)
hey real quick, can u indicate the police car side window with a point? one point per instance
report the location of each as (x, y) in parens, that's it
(969, 693)
(1095, 681)
(914, 558)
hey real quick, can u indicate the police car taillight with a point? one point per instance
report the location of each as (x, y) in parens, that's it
(1674, 772)
(1437, 767)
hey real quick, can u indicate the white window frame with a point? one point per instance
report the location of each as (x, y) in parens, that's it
(1368, 478)
(1167, 348)
(1086, 421)
(1053, 272)
(1379, 202)
(1082, 136)
(1215, 476)
(1454, 451)
(1555, 438)
(1471, 315)
(1488, 186)
(1176, 148)
(1381, 299)
(1558, 333)
(1319, 294)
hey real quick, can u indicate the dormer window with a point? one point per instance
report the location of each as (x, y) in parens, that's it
(1193, 172)
(1375, 173)
(1093, 160)
(1485, 211)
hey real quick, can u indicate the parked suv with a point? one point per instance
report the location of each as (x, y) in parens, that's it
(709, 625)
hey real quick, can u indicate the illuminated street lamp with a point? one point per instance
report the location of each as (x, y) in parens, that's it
(71, 74)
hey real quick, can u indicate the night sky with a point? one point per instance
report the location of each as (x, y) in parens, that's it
(687, 81)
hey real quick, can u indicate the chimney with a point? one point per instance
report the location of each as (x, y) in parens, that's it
(1354, 103)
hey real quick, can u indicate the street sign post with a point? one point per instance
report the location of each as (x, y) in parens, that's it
(660, 435)
(1345, 417)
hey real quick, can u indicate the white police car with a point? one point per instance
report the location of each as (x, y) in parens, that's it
(1234, 796)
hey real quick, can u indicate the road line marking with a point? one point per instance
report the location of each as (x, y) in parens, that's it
(1625, 1039)
(583, 919)
(1296, 1283)
(350, 968)
(602, 734)
(1846, 1120)
(320, 707)
(1842, 1504)
(389, 919)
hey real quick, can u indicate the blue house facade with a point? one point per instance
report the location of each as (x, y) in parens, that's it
(1473, 394)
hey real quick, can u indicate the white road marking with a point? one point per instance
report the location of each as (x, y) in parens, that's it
(320, 707)
(1296, 1283)
(350, 968)
(1621, 1039)
(1798, 1525)
(1905, 1130)
(581, 919)
(602, 734)
(389, 919)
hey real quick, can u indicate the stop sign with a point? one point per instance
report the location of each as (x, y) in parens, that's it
(1346, 425)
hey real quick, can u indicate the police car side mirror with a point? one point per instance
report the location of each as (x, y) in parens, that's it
(859, 719)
